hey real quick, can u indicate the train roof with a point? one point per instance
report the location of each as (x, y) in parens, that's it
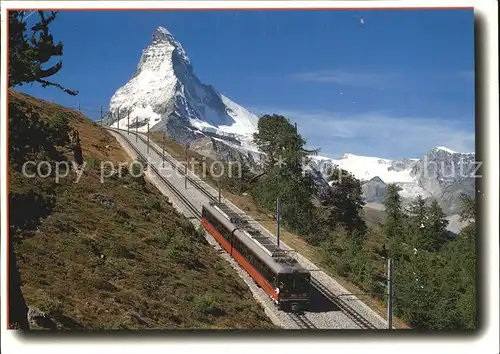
(260, 244)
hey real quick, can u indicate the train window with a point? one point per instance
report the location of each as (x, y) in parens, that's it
(301, 283)
(253, 260)
(260, 266)
(257, 266)
(241, 249)
(295, 283)
(269, 274)
(218, 225)
(263, 270)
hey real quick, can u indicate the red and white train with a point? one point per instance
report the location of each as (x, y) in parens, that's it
(279, 275)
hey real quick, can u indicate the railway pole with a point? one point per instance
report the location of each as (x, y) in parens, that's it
(101, 116)
(148, 137)
(163, 154)
(278, 221)
(118, 121)
(389, 293)
(185, 166)
(79, 110)
(128, 123)
(136, 125)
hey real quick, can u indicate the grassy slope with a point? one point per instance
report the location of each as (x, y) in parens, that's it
(372, 217)
(131, 263)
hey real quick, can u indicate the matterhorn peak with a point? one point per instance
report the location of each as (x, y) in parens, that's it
(162, 33)
(165, 41)
(165, 92)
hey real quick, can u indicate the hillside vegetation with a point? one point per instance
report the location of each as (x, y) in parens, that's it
(110, 255)
(434, 275)
(116, 255)
(239, 191)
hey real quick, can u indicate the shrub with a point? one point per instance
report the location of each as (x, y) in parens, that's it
(207, 305)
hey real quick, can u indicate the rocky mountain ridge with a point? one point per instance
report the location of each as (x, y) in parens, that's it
(165, 94)
(441, 173)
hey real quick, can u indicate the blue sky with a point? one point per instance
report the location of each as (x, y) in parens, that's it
(395, 86)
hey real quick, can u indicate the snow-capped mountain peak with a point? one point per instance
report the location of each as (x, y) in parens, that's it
(161, 34)
(445, 149)
(440, 173)
(365, 168)
(165, 92)
(451, 152)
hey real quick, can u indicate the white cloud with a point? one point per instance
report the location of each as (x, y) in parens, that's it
(348, 78)
(378, 134)
(388, 79)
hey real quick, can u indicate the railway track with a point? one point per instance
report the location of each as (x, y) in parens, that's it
(298, 318)
(174, 163)
(178, 194)
(351, 313)
(302, 321)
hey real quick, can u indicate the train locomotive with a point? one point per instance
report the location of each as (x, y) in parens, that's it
(279, 275)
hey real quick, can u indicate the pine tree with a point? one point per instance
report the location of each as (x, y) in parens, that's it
(29, 53)
(345, 201)
(417, 222)
(467, 209)
(466, 303)
(418, 211)
(427, 225)
(281, 142)
(394, 222)
(435, 226)
(436, 290)
(460, 255)
(284, 177)
(419, 291)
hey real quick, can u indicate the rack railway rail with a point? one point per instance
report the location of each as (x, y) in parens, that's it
(354, 315)
(174, 190)
(302, 321)
(298, 318)
(174, 163)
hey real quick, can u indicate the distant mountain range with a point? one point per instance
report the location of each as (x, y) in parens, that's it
(165, 92)
(441, 173)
